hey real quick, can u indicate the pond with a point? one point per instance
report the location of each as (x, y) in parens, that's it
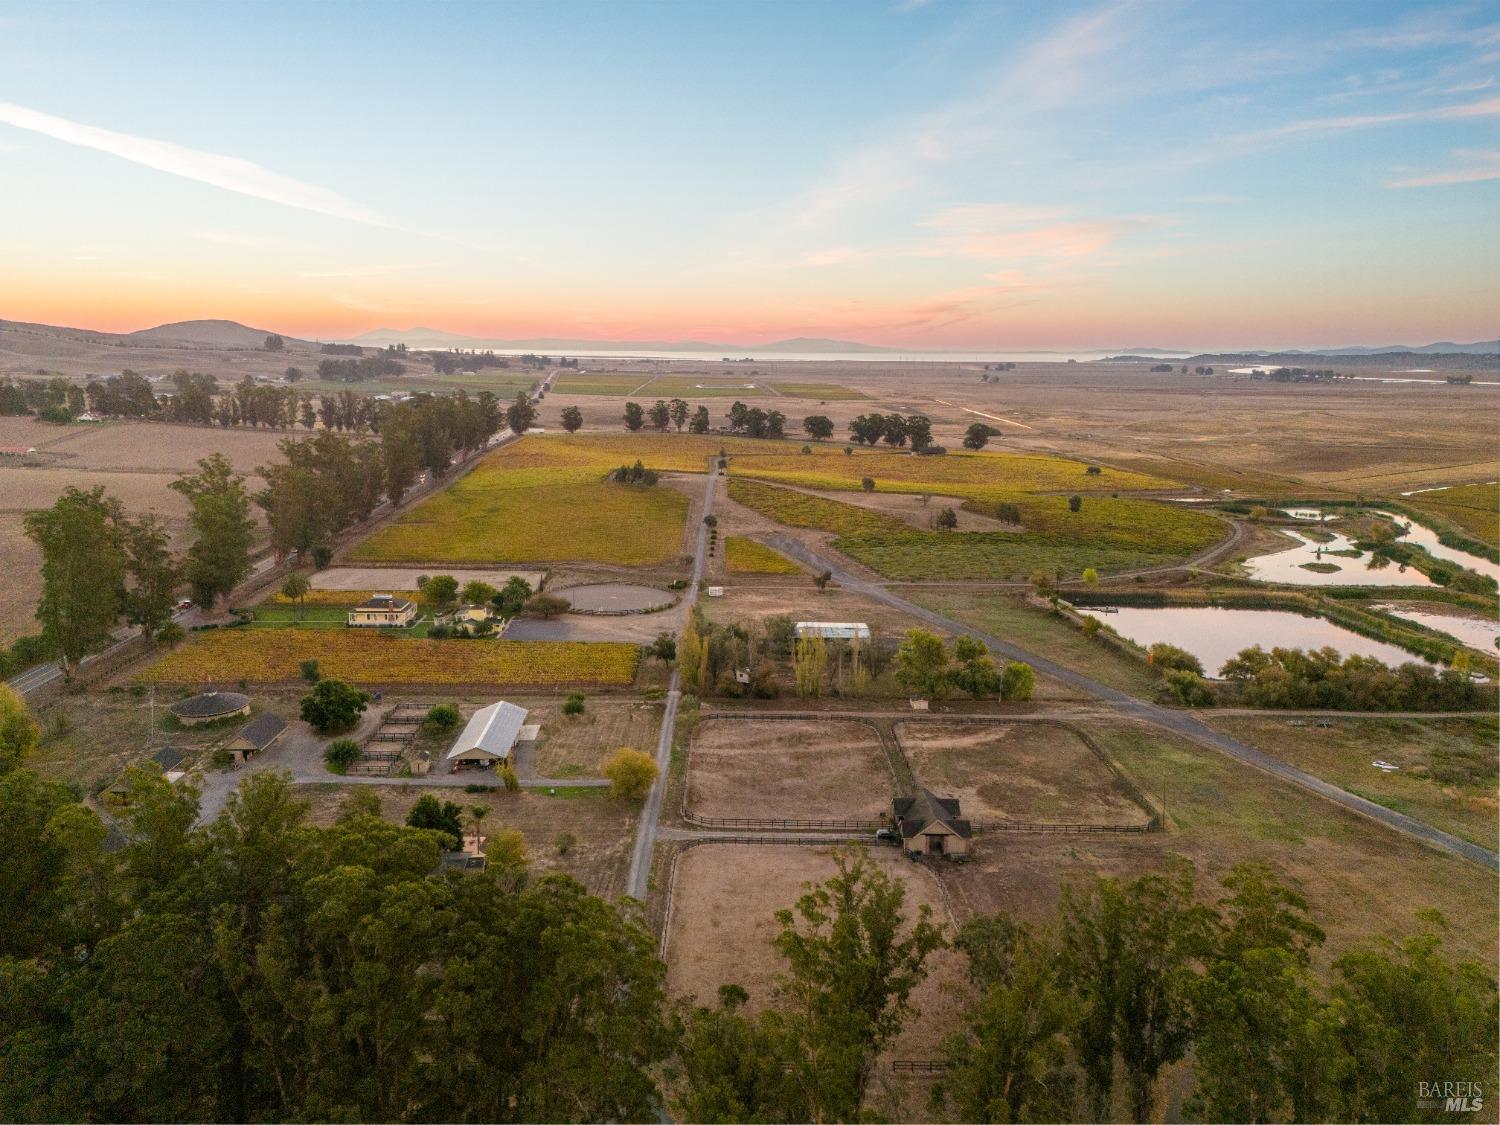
(1475, 632)
(1290, 566)
(1214, 634)
(1427, 539)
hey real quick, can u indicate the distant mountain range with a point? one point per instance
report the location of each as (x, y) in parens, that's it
(230, 334)
(437, 338)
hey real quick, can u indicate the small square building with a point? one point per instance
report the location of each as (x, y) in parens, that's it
(931, 825)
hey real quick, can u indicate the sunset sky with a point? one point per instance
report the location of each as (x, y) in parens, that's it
(922, 174)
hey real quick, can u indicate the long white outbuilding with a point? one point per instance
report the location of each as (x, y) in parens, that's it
(834, 630)
(489, 736)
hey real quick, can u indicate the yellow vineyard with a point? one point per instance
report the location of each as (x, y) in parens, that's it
(743, 555)
(273, 656)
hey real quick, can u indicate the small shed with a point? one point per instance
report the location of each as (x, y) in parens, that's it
(210, 707)
(834, 630)
(488, 738)
(258, 734)
(931, 825)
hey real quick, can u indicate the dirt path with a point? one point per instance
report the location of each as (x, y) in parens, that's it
(645, 837)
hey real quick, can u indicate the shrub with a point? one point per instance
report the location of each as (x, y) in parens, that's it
(508, 779)
(442, 717)
(1017, 682)
(1170, 658)
(867, 483)
(340, 754)
(1190, 689)
(564, 842)
(506, 848)
(1075, 503)
(546, 605)
(631, 773)
(308, 670)
(574, 704)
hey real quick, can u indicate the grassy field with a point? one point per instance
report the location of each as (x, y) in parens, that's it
(1360, 878)
(1474, 507)
(1448, 766)
(743, 555)
(344, 599)
(588, 383)
(824, 392)
(799, 509)
(703, 386)
(364, 656)
(913, 556)
(1011, 619)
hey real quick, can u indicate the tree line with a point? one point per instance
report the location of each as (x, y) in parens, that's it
(894, 429)
(99, 564)
(263, 968)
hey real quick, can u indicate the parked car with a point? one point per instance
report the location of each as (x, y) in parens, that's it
(887, 836)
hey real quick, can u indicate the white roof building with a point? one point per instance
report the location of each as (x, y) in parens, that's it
(490, 735)
(834, 630)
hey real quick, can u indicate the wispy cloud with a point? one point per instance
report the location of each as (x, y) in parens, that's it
(234, 238)
(1000, 232)
(227, 172)
(1480, 165)
(1488, 107)
(367, 271)
(1052, 72)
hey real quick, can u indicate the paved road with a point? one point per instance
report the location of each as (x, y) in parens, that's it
(1179, 722)
(645, 834)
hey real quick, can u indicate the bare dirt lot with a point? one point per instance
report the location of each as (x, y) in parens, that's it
(405, 578)
(724, 898)
(787, 770)
(1029, 772)
(799, 598)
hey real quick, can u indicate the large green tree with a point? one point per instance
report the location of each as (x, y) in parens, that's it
(260, 968)
(83, 571)
(154, 574)
(223, 528)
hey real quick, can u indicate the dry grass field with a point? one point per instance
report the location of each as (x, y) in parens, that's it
(597, 857)
(577, 745)
(272, 656)
(1038, 773)
(1362, 880)
(724, 898)
(787, 770)
(1447, 767)
(133, 461)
